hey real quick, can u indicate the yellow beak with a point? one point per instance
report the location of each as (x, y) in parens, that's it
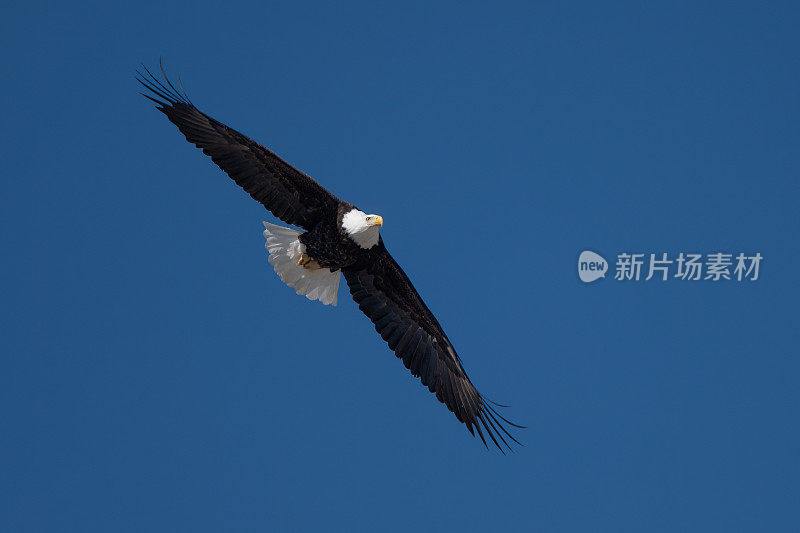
(377, 221)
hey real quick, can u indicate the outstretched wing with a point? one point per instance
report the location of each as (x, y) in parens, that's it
(385, 294)
(288, 193)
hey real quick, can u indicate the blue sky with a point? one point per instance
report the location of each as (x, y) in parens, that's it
(156, 375)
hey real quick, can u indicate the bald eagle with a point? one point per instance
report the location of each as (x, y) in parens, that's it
(337, 239)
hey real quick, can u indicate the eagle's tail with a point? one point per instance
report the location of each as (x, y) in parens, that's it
(285, 255)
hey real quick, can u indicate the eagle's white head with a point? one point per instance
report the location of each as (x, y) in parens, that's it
(362, 228)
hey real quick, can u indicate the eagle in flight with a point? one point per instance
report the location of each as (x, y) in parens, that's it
(337, 239)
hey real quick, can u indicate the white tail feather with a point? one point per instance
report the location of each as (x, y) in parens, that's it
(284, 251)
